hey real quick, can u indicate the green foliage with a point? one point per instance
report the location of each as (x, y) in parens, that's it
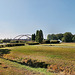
(4, 51)
(52, 37)
(59, 36)
(13, 41)
(67, 37)
(32, 43)
(1, 41)
(46, 41)
(73, 39)
(14, 44)
(54, 41)
(33, 37)
(63, 39)
(49, 37)
(6, 40)
(17, 41)
(1, 46)
(39, 36)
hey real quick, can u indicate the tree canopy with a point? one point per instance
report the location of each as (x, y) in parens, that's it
(67, 37)
(73, 39)
(33, 37)
(51, 37)
(39, 36)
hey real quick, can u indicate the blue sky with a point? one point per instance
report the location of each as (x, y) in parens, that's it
(27, 16)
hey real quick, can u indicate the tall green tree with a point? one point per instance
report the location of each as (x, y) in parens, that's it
(33, 37)
(67, 37)
(39, 36)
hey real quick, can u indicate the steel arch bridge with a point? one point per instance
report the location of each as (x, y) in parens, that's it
(20, 36)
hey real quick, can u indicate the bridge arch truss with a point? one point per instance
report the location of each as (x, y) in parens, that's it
(20, 36)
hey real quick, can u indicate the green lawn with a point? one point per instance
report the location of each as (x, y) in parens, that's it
(48, 52)
(60, 54)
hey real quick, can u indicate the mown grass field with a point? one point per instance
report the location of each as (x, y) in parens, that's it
(60, 54)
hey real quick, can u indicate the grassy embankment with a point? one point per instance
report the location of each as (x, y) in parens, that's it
(59, 54)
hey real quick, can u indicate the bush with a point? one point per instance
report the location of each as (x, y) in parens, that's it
(54, 41)
(1, 46)
(46, 42)
(1, 41)
(32, 43)
(6, 40)
(17, 41)
(14, 44)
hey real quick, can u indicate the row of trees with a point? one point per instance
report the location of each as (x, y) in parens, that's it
(38, 37)
(66, 37)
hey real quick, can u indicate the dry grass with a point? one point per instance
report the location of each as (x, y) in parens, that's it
(12, 68)
(57, 54)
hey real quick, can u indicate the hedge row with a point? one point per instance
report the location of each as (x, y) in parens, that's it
(44, 42)
(32, 43)
(51, 41)
(12, 44)
(54, 41)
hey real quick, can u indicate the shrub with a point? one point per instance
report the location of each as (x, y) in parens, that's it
(46, 42)
(14, 44)
(1, 46)
(54, 41)
(32, 43)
